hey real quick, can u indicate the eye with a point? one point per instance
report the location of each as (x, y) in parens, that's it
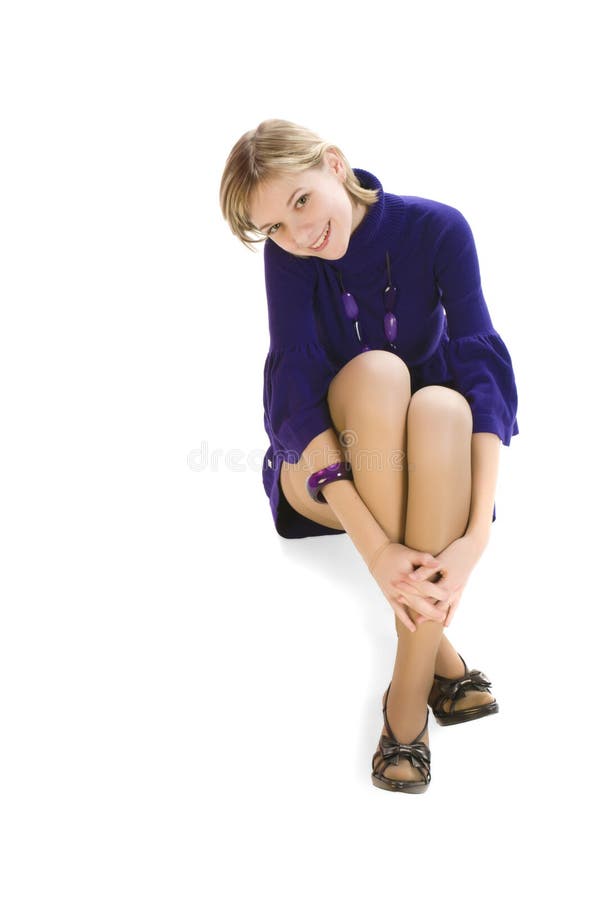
(302, 197)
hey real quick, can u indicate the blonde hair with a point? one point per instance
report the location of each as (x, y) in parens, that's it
(275, 147)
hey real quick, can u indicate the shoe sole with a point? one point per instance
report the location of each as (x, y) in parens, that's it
(402, 787)
(468, 715)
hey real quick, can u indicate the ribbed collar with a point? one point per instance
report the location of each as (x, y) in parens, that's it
(367, 244)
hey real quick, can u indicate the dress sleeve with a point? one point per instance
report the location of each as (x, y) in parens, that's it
(297, 371)
(477, 357)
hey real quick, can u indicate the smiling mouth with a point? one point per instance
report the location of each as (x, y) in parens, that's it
(322, 239)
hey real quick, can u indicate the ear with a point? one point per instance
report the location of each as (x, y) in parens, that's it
(333, 161)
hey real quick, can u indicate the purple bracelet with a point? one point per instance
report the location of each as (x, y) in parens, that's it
(338, 471)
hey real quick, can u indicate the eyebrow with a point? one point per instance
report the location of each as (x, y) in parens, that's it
(290, 200)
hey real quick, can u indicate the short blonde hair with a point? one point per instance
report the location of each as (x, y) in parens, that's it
(275, 147)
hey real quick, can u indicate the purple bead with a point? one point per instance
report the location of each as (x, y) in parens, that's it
(351, 307)
(390, 297)
(390, 326)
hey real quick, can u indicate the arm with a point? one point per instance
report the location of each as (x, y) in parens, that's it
(343, 498)
(485, 464)
(359, 523)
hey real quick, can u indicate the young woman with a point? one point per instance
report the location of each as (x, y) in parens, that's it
(387, 396)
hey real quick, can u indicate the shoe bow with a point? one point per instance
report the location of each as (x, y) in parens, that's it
(419, 754)
(474, 681)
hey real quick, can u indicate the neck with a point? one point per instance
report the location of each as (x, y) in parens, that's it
(357, 216)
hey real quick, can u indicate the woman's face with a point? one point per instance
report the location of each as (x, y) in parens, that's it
(295, 210)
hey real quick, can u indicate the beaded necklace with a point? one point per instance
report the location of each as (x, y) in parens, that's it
(390, 321)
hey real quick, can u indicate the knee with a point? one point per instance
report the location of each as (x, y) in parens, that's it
(372, 376)
(381, 364)
(436, 405)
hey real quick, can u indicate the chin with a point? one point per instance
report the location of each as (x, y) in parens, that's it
(337, 252)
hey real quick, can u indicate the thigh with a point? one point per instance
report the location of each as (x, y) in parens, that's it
(439, 465)
(361, 381)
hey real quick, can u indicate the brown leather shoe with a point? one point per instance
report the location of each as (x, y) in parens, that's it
(453, 689)
(390, 751)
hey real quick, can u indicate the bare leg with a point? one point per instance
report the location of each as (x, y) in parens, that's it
(370, 404)
(439, 442)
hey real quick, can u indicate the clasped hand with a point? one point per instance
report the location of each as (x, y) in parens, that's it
(404, 587)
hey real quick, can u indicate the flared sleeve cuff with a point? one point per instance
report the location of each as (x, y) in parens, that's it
(296, 382)
(481, 368)
(478, 359)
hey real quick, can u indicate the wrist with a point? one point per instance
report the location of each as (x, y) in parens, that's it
(479, 538)
(365, 532)
(377, 555)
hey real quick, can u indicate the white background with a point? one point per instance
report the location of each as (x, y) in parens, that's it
(189, 702)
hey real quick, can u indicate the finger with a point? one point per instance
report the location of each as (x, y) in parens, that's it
(422, 572)
(426, 589)
(423, 606)
(427, 559)
(420, 619)
(419, 574)
(403, 616)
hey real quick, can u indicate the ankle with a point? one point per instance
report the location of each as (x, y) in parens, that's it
(409, 698)
(408, 728)
(407, 719)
